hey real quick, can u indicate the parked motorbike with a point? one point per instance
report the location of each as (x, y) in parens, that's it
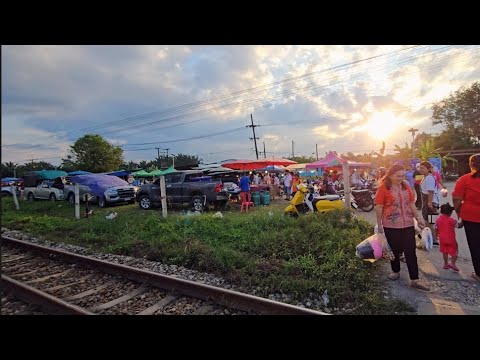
(364, 195)
(353, 203)
(306, 200)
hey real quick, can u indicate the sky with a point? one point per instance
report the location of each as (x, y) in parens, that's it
(198, 99)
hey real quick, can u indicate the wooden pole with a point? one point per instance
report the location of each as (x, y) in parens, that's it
(77, 201)
(163, 196)
(14, 194)
(346, 184)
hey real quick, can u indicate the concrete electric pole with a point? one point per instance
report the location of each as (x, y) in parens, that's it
(413, 131)
(254, 137)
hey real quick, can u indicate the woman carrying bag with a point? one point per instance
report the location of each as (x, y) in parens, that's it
(395, 208)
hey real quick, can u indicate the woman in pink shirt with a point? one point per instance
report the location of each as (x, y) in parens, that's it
(395, 208)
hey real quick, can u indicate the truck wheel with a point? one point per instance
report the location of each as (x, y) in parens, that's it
(71, 198)
(197, 203)
(102, 202)
(5, 193)
(222, 205)
(31, 197)
(52, 197)
(144, 202)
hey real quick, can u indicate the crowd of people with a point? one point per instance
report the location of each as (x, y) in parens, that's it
(403, 196)
(402, 192)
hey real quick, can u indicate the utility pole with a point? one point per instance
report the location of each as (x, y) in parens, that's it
(158, 152)
(293, 153)
(264, 153)
(166, 154)
(413, 131)
(254, 137)
(316, 150)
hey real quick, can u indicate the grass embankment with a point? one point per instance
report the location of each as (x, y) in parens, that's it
(263, 248)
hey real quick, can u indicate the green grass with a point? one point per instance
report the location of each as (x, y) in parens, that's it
(264, 248)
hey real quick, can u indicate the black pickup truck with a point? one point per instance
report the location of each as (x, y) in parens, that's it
(188, 186)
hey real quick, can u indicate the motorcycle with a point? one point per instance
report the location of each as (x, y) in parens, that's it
(364, 195)
(353, 203)
(306, 200)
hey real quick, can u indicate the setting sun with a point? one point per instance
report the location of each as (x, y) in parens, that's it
(382, 125)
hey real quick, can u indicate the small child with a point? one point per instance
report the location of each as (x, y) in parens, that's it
(445, 227)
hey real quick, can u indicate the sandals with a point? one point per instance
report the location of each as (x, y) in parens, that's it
(394, 276)
(453, 267)
(418, 285)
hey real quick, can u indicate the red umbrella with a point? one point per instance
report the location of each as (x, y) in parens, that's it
(242, 165)
(275, 161)
(257, 164)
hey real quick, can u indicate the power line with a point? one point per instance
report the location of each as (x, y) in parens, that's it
(243, 102)
(235, 104)
(309, 87)
(202, 102)
(191, 138)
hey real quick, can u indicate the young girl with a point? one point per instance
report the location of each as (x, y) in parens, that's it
(445, 227)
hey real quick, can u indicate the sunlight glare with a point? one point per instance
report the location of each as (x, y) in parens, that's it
(381, 125)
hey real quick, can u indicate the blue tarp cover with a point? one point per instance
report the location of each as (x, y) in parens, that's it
(97, 183)
(78, 172)
(10, 179)
(51, 174)
(119, 173)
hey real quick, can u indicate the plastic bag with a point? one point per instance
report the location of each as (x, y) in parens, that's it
(427, 238)
(372, 248)
(111, 216)
(420, 244)
(364, 251)
(387, 252)
(444, 192)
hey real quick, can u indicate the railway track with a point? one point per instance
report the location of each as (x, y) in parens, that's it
(60, 282)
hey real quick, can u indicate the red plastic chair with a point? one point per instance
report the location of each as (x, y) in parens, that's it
(246, 201)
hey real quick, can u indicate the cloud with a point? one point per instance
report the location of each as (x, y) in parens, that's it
(321, 95)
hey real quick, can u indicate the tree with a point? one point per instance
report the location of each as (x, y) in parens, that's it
(428, 150)
(37, 166)
(9, 169)
(143, 164)
(68, 164)
(181, 160)
(131, 165)
(421, 139)
(303, 159)
(379, 158)
(461, 111)
(404, 153)
(453, 139)
(93, 153)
